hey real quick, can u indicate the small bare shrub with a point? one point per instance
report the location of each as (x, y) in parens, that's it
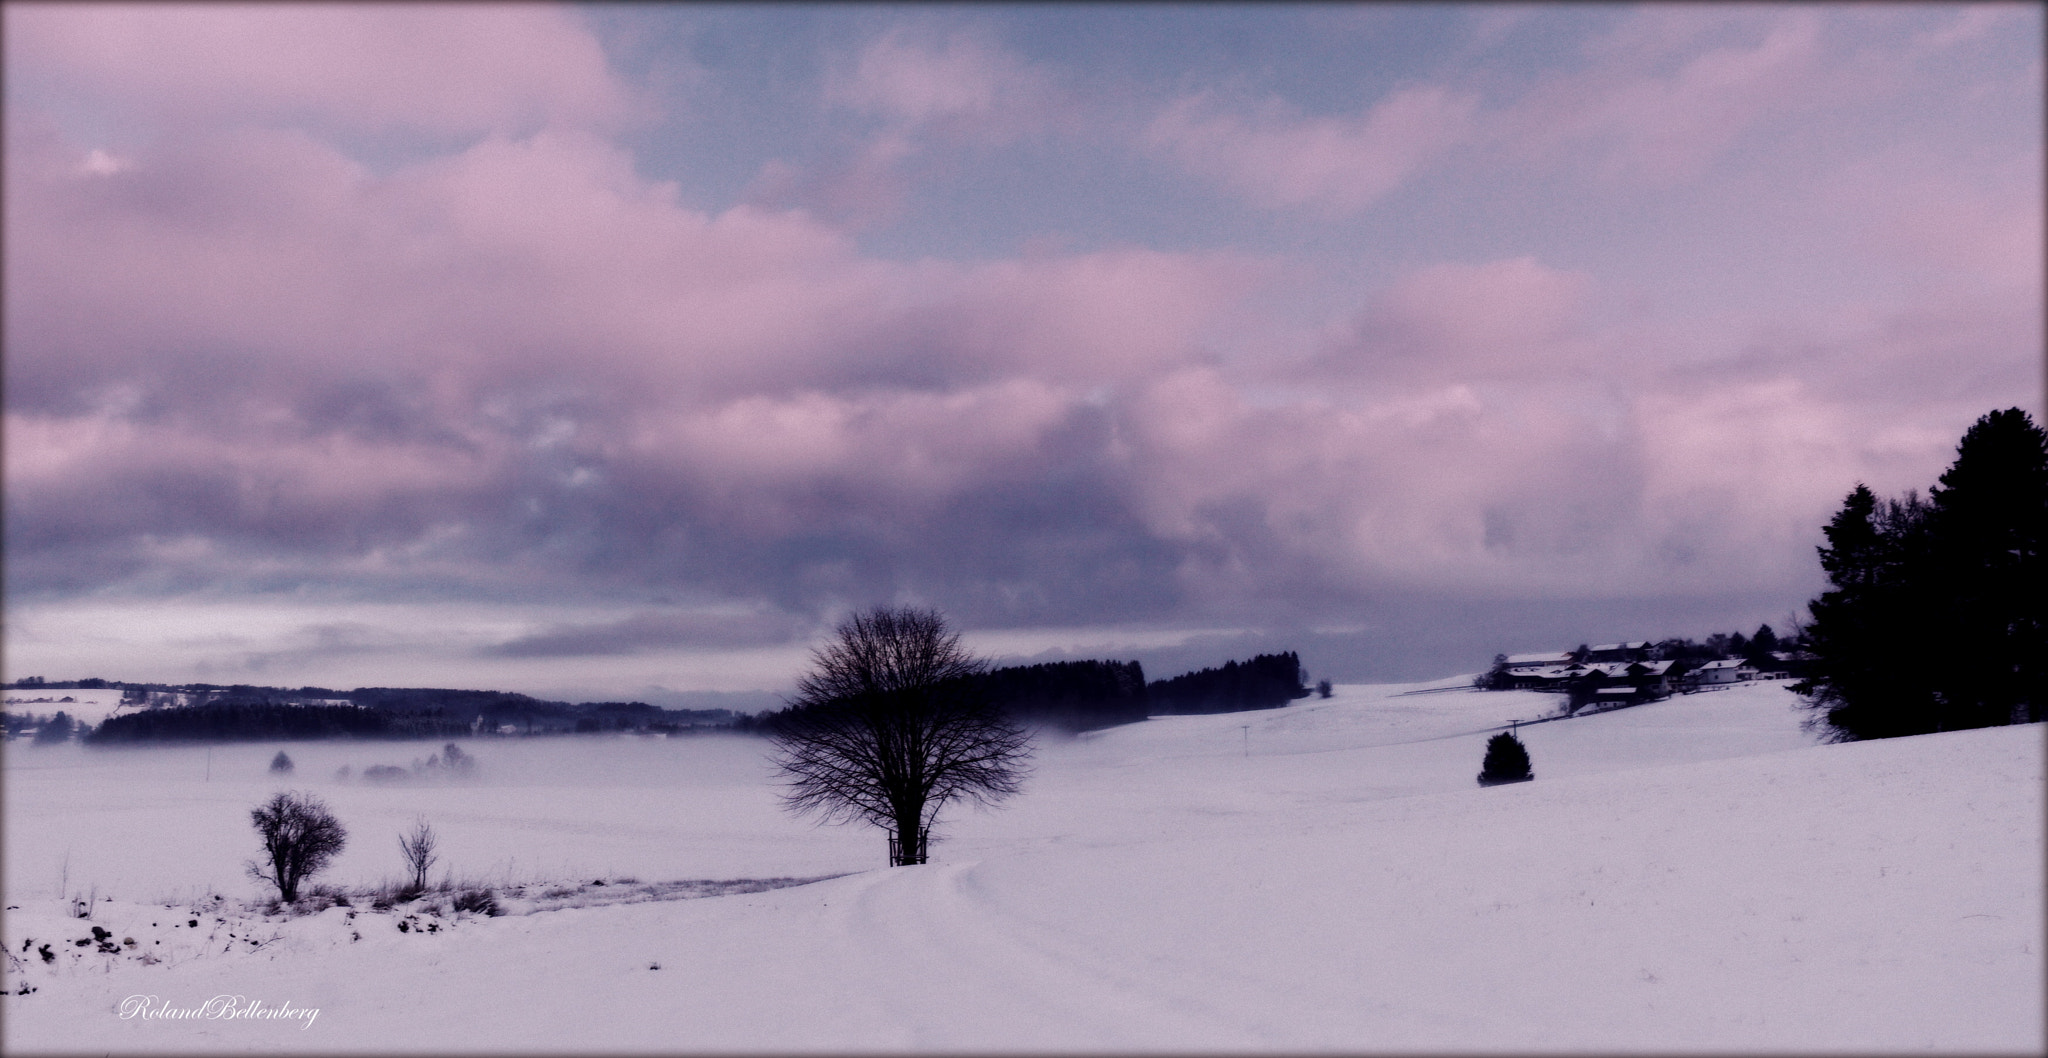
(480, 901)
(418, 847)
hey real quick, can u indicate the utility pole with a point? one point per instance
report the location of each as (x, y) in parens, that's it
(1247, 729)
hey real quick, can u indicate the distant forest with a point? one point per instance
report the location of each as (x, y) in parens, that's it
(1071, 695)
(1088, 695)
(241, 712)
(232, 721)
(1067, 695)
(1267, 681)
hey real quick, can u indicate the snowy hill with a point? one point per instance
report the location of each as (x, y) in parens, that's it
(92, 705)
(1694, 874)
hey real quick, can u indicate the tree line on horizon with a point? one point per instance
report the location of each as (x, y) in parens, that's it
(1093, 694)
(1066, 695)
(243, 713)
(227, 721)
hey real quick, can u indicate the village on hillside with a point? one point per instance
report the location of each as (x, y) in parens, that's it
(1611, 675)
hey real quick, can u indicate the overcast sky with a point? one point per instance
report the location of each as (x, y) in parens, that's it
(617, 352)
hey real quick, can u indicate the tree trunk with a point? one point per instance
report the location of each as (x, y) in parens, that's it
(907, 844)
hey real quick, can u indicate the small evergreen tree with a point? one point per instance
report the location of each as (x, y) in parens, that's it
(1507, 760)
(280, 764)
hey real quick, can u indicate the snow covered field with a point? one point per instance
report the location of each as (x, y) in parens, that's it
(1693, 874)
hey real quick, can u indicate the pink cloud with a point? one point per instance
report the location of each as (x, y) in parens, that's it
(178, 483)
(1975, 227)
(864, 188)
(439, 68)
(1335, 164)
(1098, 317)
(927, 90)
(959, 80)
(260, 345)
(1650, 120)
(1441, 487)
(762, 461)
(1453, 320)
(523, 354)
(522, 259)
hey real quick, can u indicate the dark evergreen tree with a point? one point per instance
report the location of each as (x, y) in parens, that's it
(1934, 617)
(1760, 648)
(1987, 524)
(1868, 679)
(280, 764)
(1507, 760)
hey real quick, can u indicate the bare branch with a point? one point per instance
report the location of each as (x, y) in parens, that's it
(888, 727)
(418, 848)
(299, 838)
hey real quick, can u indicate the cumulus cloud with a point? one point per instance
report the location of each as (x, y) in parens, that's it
(221, 265)
(1337, 165)
(959, 80)
(1654, 105)
(246, 358)
(437, 68)
(922, 94)
(1456, 321)
(519, 368)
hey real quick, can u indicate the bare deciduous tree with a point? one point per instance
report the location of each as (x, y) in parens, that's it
(418, 847)
(890, 725)
(299, 837)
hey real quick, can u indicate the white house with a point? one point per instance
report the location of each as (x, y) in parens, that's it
(1724, 671)
(1538, 661)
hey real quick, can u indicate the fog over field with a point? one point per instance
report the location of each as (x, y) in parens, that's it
(1696, 873)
